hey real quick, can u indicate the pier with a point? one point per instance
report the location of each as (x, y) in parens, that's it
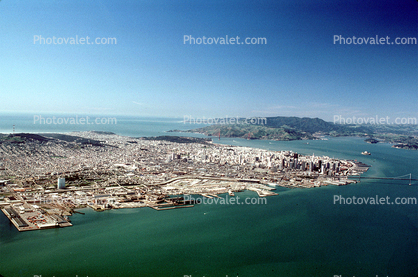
(28, 221)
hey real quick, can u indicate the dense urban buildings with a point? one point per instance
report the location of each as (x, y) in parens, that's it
(46, 178)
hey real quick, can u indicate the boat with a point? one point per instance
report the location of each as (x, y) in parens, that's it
(365, 153)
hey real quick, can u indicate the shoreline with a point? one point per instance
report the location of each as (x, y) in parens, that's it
(151, 171)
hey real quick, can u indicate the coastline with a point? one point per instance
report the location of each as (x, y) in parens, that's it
(151, 171)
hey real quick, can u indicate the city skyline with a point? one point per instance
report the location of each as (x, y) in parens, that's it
(150, 70)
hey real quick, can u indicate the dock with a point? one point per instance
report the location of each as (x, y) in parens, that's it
(34, 220)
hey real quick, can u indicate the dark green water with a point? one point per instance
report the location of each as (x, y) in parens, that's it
(300, 232)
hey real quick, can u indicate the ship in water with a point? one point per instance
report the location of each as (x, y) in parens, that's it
(365, 153)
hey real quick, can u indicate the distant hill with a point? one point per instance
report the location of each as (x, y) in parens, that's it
(252, 132)
(311, 125)
(283, 128)
(75, 139)
(22, 137)
(45, 137)
(314, 125)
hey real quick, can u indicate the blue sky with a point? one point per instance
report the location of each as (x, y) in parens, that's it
(151, 72)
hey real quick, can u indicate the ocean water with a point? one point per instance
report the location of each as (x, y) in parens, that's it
(122, 125)
(299, 232)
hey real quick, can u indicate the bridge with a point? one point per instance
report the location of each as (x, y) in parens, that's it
(403, 177)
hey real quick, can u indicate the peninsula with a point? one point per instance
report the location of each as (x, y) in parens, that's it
(44, 178)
